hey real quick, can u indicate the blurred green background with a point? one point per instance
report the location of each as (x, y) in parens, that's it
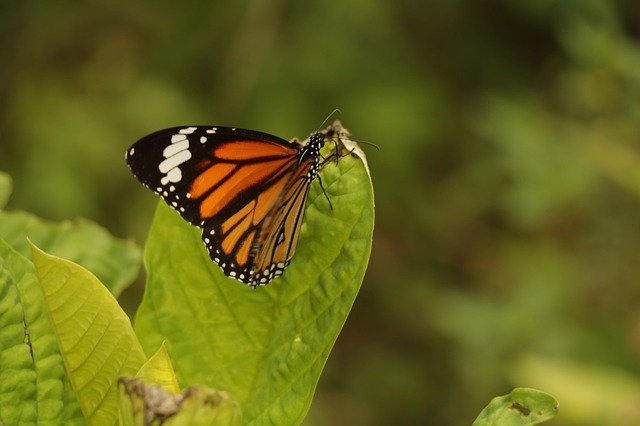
(507, 243)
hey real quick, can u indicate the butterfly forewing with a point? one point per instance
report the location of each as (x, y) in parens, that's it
(172, 161)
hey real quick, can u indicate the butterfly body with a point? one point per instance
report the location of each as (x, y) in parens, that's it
(247, 190)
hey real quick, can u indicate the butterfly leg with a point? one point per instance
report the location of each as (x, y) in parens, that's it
(335, 155)
(325, 192)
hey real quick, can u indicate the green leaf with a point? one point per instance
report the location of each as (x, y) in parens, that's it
(268, 346)
(523, 406)
(5, 189)
(34, 387)
(142, 404)
(94, 335)
(17, 373)
(159, 371)
(115, 262)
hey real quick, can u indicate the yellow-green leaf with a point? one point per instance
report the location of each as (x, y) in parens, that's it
(94, 335)
(159, 371)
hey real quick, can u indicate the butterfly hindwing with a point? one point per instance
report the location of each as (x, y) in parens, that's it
(235, 242)
(280, 232)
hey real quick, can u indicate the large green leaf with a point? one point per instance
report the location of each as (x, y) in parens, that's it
(115, 262)
(94, 335)
(522, 407)
(34, 387)
(268, 346)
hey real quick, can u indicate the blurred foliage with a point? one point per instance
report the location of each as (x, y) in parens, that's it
(507, 184)
(115, 262)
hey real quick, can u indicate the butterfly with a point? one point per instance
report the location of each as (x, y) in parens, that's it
(245, 189)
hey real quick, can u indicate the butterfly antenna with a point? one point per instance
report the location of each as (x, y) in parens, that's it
(365, 142)
(325, 192)
(335, 111)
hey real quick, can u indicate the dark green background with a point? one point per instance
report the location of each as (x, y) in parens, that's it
(507, 242)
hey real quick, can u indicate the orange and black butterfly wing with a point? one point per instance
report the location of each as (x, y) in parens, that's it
(224, 180)
(235, 240)
(280, 232)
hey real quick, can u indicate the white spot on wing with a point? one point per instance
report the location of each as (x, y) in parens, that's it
(174, 161)
(174, 148)
(178, 138)
(174, 176)
(187, 130)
